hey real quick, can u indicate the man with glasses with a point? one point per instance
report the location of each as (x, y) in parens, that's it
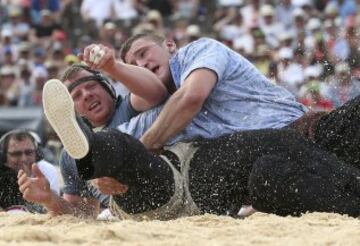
(20, 149)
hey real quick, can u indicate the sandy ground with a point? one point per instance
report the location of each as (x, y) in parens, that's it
(258, 229)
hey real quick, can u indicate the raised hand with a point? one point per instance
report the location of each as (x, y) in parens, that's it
(99, 57)
(35, 188)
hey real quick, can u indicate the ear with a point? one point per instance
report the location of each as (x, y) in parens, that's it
(170, 45)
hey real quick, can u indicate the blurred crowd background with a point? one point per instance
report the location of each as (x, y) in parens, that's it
(311, 47)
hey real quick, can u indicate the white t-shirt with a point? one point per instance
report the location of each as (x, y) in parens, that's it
(51, 175)
(124, 9)
(99, 10)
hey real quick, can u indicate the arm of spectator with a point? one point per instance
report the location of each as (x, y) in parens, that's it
(147, 90)
(84, 10)
(36, 189)
(230, 15)
(180, 108)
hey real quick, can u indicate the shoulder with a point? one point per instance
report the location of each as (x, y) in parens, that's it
(203, 47)
(202, 43)
(124, 111)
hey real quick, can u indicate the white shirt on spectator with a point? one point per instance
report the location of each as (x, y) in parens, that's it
(284, 15)
(51, 175)
(124, 9)
(99, 10)
(272, 32)
(291, 77)
(250, 15)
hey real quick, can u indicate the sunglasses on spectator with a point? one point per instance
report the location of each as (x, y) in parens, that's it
(18, 154)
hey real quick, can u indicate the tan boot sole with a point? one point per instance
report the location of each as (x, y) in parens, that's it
(60, 112)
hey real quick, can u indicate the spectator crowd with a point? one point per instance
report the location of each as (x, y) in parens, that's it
(309, 47)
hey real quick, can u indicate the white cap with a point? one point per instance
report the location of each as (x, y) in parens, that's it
(45, 12)
(342, 67)
(154, 15)
(6, 33)
(286, 53)
(267, 10)
(7, 70)
(312, 71)
(298, 12)
(227, 3)
(301, 3)
(313, 24)
(329, 23)
(40, 72)
(286, 36)
(331, 8)
(109, 25)
(193, 30)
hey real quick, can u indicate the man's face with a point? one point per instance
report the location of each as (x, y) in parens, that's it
(91, 100)
(20, 154)
(149, 54)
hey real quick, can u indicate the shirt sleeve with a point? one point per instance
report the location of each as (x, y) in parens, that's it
(127, 108)
(204, 53)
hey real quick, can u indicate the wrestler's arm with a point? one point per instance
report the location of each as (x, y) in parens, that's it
(180, 108)
(147, 90)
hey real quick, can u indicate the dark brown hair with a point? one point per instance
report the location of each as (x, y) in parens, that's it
(71, 71)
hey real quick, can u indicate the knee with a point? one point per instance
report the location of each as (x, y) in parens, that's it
(268, 184)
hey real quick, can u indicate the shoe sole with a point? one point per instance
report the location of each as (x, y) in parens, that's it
(60, 112)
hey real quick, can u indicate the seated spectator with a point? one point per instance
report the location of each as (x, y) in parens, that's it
(8, 86)
(343, 86)
(38, 5)
(126, 12)
(231, 26)
(43, 31)
(16, 25)
(187, 9)
(96, 11)
(290, 73)
(26, 85)
(155, 18)
(314, 100)
(23, 50)
(283, 13)
(262, 58)
(270, 26)
(20, 149)
(10, 196)
(39, 77)
(251, 13)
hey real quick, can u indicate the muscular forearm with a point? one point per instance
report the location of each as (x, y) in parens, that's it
(174, 117)
(139, 81)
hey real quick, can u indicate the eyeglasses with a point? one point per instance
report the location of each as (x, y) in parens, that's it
(19, 153)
